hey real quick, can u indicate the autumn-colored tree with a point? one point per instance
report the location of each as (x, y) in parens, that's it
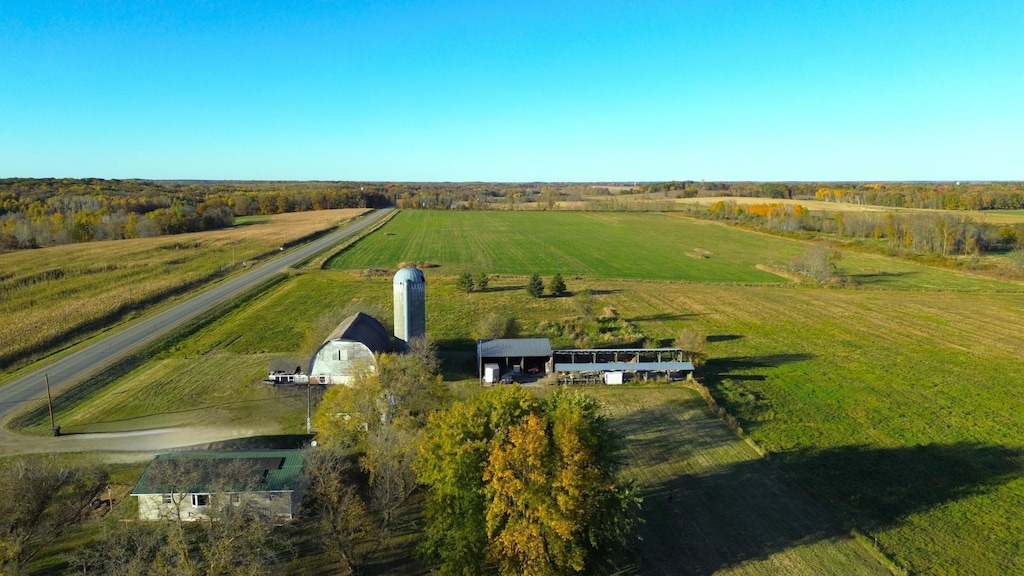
(376, 422)
(520, 485)
(343, 520)
(496, 326)
(693, 342)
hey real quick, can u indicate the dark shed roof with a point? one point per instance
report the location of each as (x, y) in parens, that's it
(259, 470)
(363, 328)
(514, 348)
(285, 366)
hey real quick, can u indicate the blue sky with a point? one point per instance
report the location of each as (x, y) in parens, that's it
(513, 91)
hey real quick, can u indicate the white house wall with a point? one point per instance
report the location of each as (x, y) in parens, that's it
(152, 506)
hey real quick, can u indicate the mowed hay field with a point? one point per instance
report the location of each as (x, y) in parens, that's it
(51, 296)
(642, 246)
(588, 244)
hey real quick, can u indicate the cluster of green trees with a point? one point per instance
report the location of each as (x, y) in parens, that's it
(466, 282)
(556, 287)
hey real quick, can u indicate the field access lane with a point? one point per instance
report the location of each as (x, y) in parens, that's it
(80, 364)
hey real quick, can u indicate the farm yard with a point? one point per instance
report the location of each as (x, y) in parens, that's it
(893, 404)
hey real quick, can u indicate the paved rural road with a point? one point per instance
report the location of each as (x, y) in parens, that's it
(82, 363)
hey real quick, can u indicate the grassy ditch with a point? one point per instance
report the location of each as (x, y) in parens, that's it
(132, 381)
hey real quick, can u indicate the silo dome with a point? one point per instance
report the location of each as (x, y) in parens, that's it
(410, 305)
(410, 274)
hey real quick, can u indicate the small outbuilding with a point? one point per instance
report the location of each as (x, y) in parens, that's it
(191, 486)
(353, 346)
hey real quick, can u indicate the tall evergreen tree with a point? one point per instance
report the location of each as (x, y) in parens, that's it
(557, 286)
(535, 287)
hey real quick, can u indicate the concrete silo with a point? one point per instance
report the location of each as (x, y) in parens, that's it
(410, 305)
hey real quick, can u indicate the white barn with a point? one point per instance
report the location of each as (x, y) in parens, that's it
(352, 346)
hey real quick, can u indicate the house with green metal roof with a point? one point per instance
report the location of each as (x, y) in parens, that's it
(188, 486)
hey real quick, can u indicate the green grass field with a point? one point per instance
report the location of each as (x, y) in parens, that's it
(652, 246)
(648, 246)
(895, 404)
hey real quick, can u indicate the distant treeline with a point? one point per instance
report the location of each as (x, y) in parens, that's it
(45, 212)
(939, 195)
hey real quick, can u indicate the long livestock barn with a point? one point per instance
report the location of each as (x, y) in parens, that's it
(527, 359)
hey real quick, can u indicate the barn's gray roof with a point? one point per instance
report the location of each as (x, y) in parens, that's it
(624, 367)
(365, 329)
(514, 348)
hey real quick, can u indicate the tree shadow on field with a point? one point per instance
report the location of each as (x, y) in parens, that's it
(716, 369)
(877, 488)
(718, 517)
(661, 317)
(502, 289)
(723, 337)
(878, 278)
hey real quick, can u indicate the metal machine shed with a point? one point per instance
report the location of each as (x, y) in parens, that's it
(514, 354)
(591, 364)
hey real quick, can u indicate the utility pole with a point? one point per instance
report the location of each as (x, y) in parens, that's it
(308, 421)
(49, 404)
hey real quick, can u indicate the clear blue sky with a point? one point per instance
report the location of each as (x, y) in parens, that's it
(513, 91)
